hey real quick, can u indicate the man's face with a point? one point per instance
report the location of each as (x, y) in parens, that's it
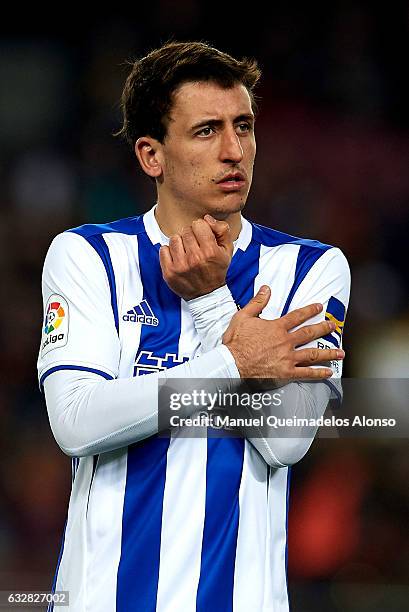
(210, 137)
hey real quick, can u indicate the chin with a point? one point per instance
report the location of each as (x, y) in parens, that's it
(223, 210)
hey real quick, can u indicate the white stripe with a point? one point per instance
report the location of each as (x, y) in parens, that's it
(276, 580)
(125, 262)
(104, 533)
(182, 525)
(276, 269)
(252, 533)
(183, 505)
(262, 571)
(72, 567)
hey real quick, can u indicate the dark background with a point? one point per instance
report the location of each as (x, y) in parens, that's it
(332, 164)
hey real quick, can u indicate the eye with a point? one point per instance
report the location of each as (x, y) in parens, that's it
(206, 131)
(244, 127)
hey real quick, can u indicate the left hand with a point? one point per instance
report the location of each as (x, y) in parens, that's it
(196, 260)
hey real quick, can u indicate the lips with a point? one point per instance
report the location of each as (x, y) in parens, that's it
(233, 181)
(232, 177)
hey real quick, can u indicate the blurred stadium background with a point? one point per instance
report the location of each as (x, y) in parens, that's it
(333, 164)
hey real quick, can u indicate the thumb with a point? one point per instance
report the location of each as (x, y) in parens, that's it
(221, 231)
(255, 306)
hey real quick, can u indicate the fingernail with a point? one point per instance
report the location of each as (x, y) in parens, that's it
(332, 325)
(318, 307)
(340, 354)
(210, 219)
(263, 290)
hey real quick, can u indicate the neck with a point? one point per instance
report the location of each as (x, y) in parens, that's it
(173, 218)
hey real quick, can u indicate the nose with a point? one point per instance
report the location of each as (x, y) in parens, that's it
(230, 149)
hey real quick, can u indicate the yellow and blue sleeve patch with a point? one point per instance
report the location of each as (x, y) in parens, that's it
(336, 314)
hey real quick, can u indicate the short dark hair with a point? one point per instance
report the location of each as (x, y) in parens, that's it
(147, 97)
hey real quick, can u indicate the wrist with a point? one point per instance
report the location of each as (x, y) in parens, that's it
(214, 294)
(235, 354)
(233, 371)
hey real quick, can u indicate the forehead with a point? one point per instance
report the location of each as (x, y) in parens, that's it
(200, 100)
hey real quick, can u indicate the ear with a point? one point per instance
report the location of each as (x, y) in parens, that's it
(147, 150)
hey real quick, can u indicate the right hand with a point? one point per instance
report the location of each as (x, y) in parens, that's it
(267, 349)
(196, 261)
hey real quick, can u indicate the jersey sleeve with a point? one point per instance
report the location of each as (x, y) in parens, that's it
(212, 314)
(327, 282)
(78, 330)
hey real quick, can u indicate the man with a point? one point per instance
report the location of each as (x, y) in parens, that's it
(183, 524)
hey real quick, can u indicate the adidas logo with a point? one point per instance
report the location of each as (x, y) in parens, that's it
(142, 313)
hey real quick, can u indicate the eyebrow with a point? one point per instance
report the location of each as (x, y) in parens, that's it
(218, 122)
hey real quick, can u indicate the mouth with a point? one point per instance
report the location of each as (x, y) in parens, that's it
(233, 181)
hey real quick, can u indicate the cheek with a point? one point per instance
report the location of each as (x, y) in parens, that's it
(251, 152)
(196, 174)
(186, 176)
(192, 173)
(182, 166)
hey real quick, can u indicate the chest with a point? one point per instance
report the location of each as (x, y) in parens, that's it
(156, 329)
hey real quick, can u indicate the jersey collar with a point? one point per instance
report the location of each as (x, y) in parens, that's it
(156, 236)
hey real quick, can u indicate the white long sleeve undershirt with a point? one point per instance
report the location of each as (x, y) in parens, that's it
(90, 415)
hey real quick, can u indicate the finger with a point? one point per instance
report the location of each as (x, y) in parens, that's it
(306, 357)
(308, 333)
(303, 373)
(165, 260)
(221, 230)
(190, 244)
(177, 251)
(255, 306)
(203, 233)
(301, 315)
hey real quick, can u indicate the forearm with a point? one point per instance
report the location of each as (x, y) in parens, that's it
(89, 415)
(299, 401)
(212, 314)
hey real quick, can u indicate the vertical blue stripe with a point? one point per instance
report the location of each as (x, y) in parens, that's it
(138, 572)
(98, 243)
(242, 272)
(223, 476)
(307, 256)
(163, 302)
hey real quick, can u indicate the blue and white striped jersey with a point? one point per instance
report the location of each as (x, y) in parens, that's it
(180, 524)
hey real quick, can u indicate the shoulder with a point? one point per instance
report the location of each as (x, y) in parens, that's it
(87, 242)
(269, 237)
(301, 265)
(129, 226)
(305, 251)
